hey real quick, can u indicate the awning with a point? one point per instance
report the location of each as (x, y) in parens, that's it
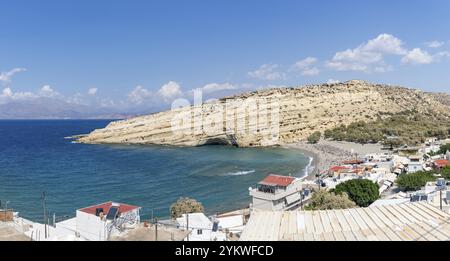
(293, 198)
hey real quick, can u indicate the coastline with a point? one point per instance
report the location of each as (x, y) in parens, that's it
(327, 153)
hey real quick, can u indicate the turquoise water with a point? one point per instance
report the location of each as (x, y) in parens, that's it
(35, 157)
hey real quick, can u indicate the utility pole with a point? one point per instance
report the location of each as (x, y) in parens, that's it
(45, 213)
(187, 225)
(301, 198)
(440, 198)
(319, 183)
(156, 229)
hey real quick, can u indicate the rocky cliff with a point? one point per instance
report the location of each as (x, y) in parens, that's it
(271, 116)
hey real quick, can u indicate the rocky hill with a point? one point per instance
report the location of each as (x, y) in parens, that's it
(301, 111)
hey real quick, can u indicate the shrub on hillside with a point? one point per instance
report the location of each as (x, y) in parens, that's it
(185, 206)
(409, 127)
(315, 137)
(323, 200)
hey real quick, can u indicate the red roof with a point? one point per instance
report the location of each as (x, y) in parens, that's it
(277, 180)
(442, 163)
(338, 168)
(123, 208)
(353, 162)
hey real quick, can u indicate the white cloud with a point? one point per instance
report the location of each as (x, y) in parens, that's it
(139, 94)
(76, 99)
(105, 102)
(368, 57)
(311, 71)
(8, 95)
(215, 87)
(47, 91)
(333, 81)
(170, 90)
(417, 56)
(383, 68)
(5, 77)
(211, 89)
(435, 44)
(305, 63)
(92, 91)
(385, 43)
(267, 72)
(306, 66)
(440, 55)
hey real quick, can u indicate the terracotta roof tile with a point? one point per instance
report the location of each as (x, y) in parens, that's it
(273, 179)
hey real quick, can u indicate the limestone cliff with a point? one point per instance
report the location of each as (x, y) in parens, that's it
(301, 111)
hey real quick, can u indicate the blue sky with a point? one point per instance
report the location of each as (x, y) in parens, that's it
(143, 54)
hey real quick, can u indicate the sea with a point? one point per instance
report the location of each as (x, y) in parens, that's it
(36, 158)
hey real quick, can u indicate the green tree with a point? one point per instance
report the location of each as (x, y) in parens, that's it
(323, 200)
(362, 191)
(444, 148)
(445, 173)
(185, 206)
(328, 134)
(414, 181)
(315, 137)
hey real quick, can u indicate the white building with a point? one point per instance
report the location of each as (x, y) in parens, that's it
(277, 192)
(201, 228)
(378, 157)
(415, 164)
(437, 194)
(99, 222)
(331, 183)
(431, 149)
(94, 223)
(231, 223)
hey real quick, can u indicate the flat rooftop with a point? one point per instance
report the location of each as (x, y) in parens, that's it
(401, 222)
(8, 233)
(123, 208)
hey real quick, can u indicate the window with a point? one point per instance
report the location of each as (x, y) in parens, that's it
(199, 231)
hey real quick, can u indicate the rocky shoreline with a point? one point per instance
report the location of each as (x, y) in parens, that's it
(287, 116)
(328, 153)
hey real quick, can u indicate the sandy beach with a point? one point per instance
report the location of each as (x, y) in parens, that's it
(328, 153)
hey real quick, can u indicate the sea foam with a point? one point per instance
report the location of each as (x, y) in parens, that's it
(240, 173)
(308, 168)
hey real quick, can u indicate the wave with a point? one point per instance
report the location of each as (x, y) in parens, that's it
(309, 168)
(240, 173)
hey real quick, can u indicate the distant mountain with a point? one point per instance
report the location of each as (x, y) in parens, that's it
(47, 108)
